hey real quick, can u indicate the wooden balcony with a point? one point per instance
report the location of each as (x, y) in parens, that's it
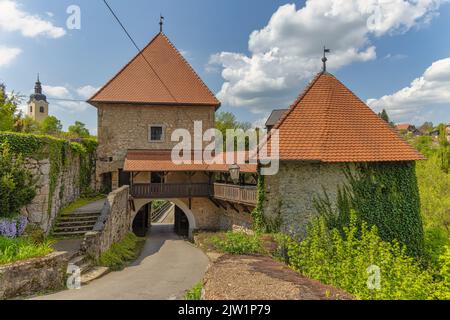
(233, 193)
(245, 195)
(170, 190)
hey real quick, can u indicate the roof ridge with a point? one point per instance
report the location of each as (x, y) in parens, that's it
(326, 130)
(127, 64)
(190, 67)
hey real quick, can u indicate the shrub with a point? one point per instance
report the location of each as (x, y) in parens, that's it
(17, 249)
(17, 187)
(195, 293)
(343, 261)
(435, 245)
(121, 253)
(237, 243)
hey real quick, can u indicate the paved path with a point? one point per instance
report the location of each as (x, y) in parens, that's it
(167, 267)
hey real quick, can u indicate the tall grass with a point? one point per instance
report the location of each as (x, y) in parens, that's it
(12, 250)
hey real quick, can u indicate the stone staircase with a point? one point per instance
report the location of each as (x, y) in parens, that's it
(88, 271)
(75, 224)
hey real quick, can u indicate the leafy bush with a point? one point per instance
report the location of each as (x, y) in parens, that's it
(342, 260)
(195, 293)
(435, 245)
(445, 269)
(12, 250)
(17, 186)
(237, 243)
(122, 252)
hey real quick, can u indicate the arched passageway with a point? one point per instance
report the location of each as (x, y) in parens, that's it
(183, 219)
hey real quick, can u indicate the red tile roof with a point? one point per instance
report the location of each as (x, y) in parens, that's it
(329, 123)
(160, 160)
(403, 126)
(162, 77)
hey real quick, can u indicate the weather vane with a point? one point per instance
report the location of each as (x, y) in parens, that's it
(324, 59)
(161, 22)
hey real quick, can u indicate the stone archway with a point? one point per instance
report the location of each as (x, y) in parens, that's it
(139, 203)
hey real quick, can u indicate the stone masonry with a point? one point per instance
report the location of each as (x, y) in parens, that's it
(290, 194)
(67, 190)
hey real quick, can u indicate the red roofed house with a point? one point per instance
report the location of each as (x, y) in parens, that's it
(138, 109)
(326, 129)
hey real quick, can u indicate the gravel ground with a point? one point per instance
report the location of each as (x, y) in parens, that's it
(245, 277)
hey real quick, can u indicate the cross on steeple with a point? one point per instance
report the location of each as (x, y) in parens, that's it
(161, 22)
(324, 59)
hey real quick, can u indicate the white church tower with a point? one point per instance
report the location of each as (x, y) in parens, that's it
(37, 105)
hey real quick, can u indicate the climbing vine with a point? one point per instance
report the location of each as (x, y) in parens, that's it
(59, 152)
(262, 223)
(384, 194)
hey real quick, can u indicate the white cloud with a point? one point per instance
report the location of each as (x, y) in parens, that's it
(430, 89)
(65, 99)
(87, 91)
(7, 55)
(287, 51)
(13, 18)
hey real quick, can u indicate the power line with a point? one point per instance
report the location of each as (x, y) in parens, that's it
(68, 100)
(137, 47)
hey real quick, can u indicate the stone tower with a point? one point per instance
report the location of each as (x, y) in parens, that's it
(37, 105)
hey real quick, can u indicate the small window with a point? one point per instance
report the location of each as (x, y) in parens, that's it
(156, 133)
(31, 109)
(41, 109)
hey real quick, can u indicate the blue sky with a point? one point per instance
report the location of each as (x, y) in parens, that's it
(256, 55)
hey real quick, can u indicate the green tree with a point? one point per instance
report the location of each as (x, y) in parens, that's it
(17, 186)
(426, 127)
(79, 130)
(383, 115)
(51, 125)
(9, 112)
(28, 125)
(226, 121)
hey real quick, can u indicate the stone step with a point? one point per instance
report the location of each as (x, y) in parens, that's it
(83, 213)
(79, 260)
(85, 267)
(73, 228)
(75, 218)
(93, 273)
(65, 234)
(75, 222)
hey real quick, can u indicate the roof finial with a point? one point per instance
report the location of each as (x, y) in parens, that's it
(161, 22)
(38, 77)
(324, 59)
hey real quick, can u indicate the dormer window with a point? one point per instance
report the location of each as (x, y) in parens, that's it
(156, 133)
(41, 109)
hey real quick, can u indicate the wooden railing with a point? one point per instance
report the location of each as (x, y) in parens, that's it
(170, 190)
(234, 193)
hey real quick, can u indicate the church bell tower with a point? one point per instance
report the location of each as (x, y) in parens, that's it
(37, 105)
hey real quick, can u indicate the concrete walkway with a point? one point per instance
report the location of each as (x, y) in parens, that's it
(166, 268)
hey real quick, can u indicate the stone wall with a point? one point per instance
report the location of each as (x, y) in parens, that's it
(290, 194)
(112, 226)
(29, 277)
(44, 209)
(122, 127)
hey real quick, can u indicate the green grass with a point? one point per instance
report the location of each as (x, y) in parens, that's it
(12, 250)
(237, 243)
(195, 293)
(80, 202)
(117, 257)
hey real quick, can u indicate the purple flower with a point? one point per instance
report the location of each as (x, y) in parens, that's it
(22, 223)
(8, 228)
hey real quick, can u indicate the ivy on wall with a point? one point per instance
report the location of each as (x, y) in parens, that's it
(262, 223)
(59, 152)
(384, 194)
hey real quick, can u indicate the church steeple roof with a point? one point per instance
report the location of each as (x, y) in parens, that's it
(37, 95)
